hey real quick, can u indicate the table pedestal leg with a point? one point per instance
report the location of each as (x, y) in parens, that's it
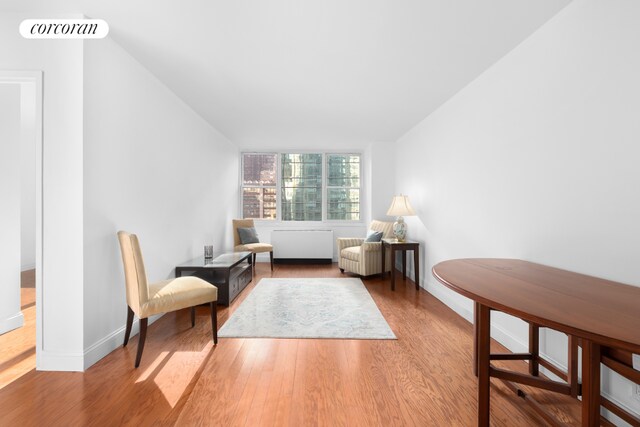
(591, 354)
(534, 348)
(416, 267)
(476, 320)
(484, 381)
(393, 269)
(572, 366)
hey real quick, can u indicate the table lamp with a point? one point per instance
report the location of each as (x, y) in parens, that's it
(400, 207)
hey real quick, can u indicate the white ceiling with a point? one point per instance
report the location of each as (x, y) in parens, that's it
(310, 74)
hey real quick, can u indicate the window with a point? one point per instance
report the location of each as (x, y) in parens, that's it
(343, 187)
(259, 186)
(301, 187)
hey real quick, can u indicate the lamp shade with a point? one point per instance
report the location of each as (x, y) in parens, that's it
(400, 206)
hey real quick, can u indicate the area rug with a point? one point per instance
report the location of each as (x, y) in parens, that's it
(308, 308)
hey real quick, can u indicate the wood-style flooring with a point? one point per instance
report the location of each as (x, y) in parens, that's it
(18, 347)
(422, 379)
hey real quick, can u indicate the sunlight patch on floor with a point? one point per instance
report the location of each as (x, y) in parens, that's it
(152, 367)
(177, 373)
(17, 347)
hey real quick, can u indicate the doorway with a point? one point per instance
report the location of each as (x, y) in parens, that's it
(20, 222)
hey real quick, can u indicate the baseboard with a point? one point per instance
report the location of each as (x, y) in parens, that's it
(302, 261)
(264, 257)
(613, 417)
(497, 332)
(438, 291)
(66, 362)
(106, 345)
(14, 322)
(27, 267)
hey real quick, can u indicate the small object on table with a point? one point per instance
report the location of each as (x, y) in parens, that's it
(208, 252)
(395, 245)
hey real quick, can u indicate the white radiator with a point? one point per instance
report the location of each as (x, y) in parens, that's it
(302, 244)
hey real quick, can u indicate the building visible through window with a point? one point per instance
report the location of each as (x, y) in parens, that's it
(259, 186)
(301, 187)
(343, 187)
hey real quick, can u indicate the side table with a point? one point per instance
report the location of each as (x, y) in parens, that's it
(394, 245)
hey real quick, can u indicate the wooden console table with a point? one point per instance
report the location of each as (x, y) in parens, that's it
(394, 245)
(226, 271)
(601, 314)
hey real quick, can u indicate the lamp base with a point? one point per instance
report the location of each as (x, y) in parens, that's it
(400, 229)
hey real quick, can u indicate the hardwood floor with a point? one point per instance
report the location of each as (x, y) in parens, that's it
(18, 347)
(423, 379)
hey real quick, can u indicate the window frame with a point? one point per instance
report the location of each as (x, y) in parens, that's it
(324, 193)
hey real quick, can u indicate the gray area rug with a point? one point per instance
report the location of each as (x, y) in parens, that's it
(308, 308)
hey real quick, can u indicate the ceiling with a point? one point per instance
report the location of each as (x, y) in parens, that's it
(313, 74)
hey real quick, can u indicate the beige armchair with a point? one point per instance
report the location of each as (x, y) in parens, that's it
(146, 299)
(365, 258)
(254, 248)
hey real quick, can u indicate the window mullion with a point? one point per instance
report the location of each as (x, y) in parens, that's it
(324, 174)
(278, 188)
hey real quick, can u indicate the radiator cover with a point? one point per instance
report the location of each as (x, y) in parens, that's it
(302, 245)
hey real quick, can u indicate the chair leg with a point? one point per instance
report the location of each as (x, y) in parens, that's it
(342, 270)
(254, 259)
(143, 337)
(127, 331)
(214, 320)
(193, 316)
(271, 256)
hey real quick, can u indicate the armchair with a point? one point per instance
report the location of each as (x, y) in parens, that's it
(365, 258)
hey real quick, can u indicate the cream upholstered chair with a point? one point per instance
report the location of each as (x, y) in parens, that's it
(146, 299)
(254, 248)
(365, 258)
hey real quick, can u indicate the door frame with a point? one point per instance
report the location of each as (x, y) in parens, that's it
(35, 78)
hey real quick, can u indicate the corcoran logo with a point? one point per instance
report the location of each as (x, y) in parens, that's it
(64, 29)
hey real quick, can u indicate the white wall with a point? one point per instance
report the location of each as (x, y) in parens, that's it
(382, 180)
(28, 176)
(10, 314)
(152, 167)
(60, 347)
(538, 159)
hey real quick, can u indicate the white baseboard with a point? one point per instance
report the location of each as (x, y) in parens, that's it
(437, 291)
(498, 333)
(264, 257)
(79, 362)
(26, 267)
(14, 322)
(106, 345)
(51, 361)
